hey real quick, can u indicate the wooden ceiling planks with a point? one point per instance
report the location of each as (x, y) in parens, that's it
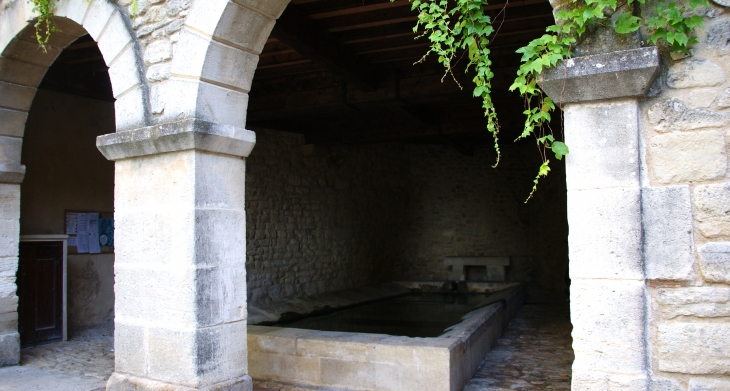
(357, 67)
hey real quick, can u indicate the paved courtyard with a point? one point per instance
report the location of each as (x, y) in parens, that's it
(534, 354)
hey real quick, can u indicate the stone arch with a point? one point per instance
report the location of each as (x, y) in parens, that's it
(222, 40)
(22, 67)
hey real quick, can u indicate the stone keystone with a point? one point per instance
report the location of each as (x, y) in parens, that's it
(622, 74)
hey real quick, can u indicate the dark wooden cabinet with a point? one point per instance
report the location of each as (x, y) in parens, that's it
(41, 291)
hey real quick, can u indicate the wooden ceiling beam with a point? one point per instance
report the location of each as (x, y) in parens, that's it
(314, 42)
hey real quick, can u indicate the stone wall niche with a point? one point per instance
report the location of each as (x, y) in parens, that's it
(599, 95)
(181, 245)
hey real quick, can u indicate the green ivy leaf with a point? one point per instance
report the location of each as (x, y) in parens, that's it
(627, 23)
(559, 149)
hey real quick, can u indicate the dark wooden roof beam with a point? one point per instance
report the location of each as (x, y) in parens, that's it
(312, 41)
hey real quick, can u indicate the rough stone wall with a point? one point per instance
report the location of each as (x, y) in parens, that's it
(321, 219)
(686, 202)
(461, 206)
(157, 24)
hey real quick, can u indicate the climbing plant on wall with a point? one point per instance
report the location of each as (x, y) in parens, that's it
(460, 27)
(44, 26)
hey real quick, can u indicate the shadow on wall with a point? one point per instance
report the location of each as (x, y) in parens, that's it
(327, 218)
(65, 172)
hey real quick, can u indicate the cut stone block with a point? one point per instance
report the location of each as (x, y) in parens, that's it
(694, 348)
(685, 157)
(608, 325)
(702, 302)
(715, 262)
(605, 234)
(621, 74)
(604, 145)
(712, 210)
(9, 349)
(667, 222)
(495, 267)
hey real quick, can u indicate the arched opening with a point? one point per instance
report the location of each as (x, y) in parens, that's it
(369, 169)
(67, 196)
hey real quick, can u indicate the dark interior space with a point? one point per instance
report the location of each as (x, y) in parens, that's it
(381, 164)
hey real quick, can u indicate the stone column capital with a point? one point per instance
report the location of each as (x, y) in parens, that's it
(189, 134)
(620, 74)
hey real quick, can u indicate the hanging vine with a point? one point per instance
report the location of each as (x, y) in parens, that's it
(455, 26)
(44, 26)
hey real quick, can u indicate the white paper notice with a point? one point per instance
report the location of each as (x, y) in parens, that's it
(71, 221)
(94, 247)
(71, 241)
(82, 240)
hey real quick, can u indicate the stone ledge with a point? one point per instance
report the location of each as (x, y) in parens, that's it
(11, 173)
(177, 136)
(622, 74)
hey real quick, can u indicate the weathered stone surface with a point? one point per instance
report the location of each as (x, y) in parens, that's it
(11, 173)
(12, 123)
(702, 98)
(715, 262)
(684, 157)
(703, 302)
(673, 114)
(605, 234)
(13, 96)
(9, 349)
(712, 210)
(123, 382)
(692, 73)
(694, 348)
(659, 384)
(604, 140)
(620, 74)
(179, 136)
(584, 379)
(724, 99)
(608, 326)
(158, 51)
(188, 296)
(667, 222)
(699, 384)
(718, 37)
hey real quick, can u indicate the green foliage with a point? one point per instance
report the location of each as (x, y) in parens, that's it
(455, 26)
(44, 27)
(461, 26)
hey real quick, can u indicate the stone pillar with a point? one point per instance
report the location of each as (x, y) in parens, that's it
(180, 277)
(599, 94)
(11, 175)
(9, 242)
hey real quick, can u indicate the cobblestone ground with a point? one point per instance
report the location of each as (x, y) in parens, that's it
(534, 354)
(89, 353)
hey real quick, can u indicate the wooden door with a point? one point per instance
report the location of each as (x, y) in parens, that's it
(40, 292)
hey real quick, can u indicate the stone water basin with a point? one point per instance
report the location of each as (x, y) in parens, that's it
(380, 361)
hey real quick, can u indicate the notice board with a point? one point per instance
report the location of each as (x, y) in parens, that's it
(90, 232)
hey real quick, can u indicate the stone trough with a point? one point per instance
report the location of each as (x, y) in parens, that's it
(359, 361)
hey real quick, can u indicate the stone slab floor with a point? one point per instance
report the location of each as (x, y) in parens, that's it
(534, 354)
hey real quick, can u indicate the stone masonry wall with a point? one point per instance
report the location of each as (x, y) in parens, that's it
(321, 219)
(461, 206)
(686, 197)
